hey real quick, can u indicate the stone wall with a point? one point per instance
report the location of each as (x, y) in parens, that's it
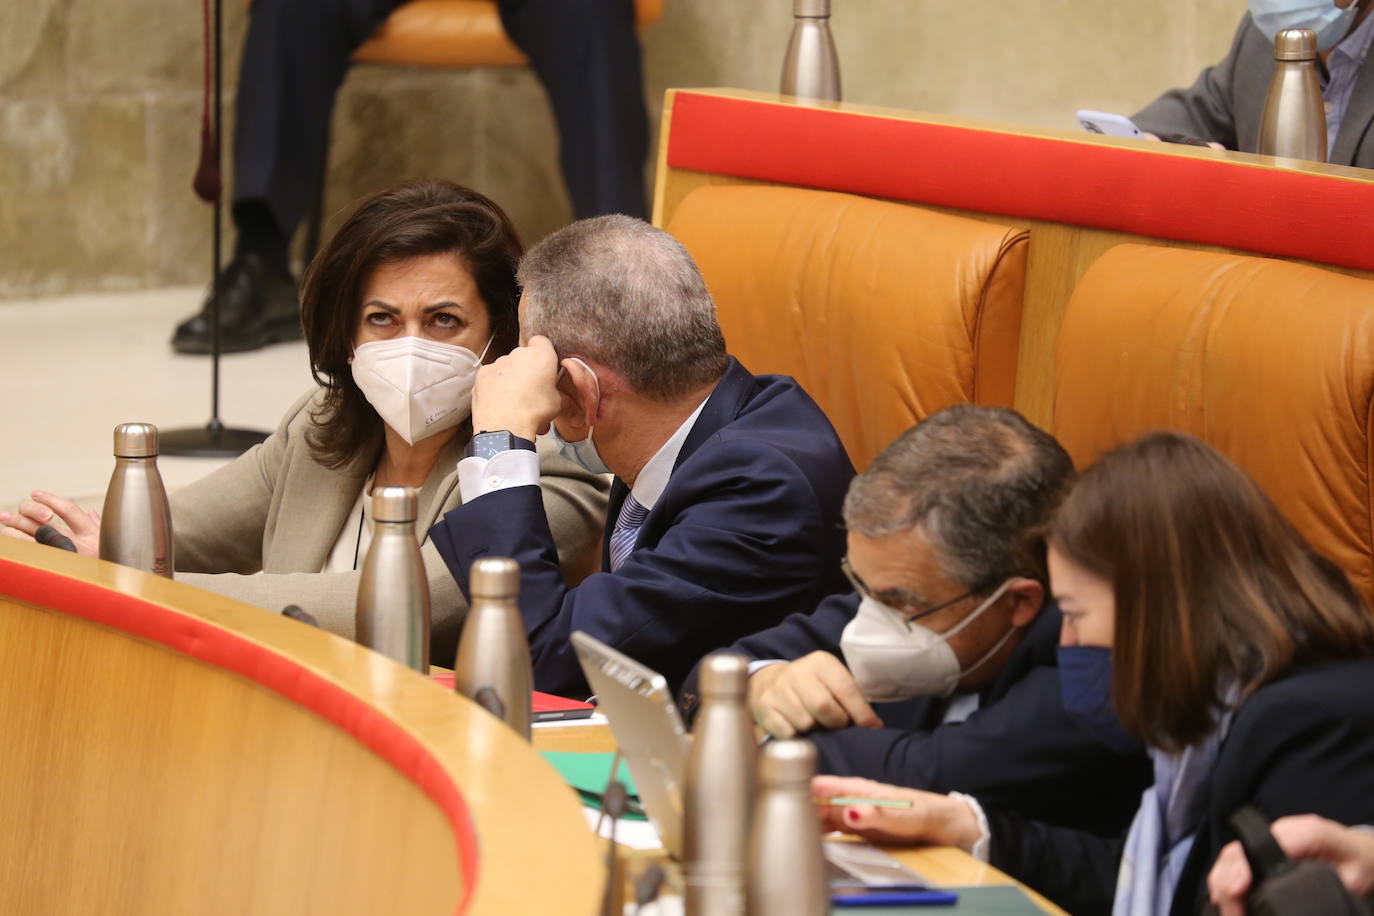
(99, 107)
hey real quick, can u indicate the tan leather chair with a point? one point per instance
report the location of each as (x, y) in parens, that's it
(456, 34)
(884, 312)
(1271, 362)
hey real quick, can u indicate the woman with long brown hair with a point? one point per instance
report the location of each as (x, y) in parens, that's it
(415, 291)
(1197, 620)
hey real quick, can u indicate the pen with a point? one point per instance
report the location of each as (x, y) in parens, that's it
(875, 802)
(877, 896)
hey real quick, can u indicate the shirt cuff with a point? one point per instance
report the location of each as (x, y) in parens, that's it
(759, 664)
(982, 846)
(517, 467)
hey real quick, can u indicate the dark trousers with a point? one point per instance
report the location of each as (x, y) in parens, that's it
(297, 52)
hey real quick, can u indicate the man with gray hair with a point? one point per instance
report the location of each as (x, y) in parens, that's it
(940, 669)
(725, 511)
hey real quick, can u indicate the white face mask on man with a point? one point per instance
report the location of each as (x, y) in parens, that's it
(419, 387)
(583, 451)
(893, 659)
(1330, 22)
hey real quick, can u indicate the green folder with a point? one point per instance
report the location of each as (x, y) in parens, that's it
(589, 773)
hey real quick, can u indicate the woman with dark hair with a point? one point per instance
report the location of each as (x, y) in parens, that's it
(415, 291)
(1196, 620)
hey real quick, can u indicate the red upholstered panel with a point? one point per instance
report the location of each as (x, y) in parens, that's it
(1236, 205)
(198, 639)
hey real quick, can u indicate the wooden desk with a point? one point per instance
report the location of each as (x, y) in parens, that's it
(942, 865)
(172, 751)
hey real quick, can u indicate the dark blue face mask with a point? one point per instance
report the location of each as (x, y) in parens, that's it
(1085, 685)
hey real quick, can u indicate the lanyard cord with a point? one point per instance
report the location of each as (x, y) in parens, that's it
(358, 545)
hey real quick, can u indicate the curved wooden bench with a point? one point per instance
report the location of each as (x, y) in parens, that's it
(172, 751)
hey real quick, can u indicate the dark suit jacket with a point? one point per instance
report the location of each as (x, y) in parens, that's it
(1019, 748)
(747, 530)
(1303, 744)
(1227, 100)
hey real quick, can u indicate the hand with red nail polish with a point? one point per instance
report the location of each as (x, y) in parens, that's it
(932, 819)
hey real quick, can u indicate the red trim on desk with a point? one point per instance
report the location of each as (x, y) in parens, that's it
(199, 639)
(1273, 211)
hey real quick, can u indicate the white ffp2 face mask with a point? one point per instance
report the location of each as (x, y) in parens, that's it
(1321, 16)
(893, 661)
(419, 387)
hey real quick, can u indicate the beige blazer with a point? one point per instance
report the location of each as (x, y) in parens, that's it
(261, 528)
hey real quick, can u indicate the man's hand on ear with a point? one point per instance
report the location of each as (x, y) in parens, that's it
(519, 391)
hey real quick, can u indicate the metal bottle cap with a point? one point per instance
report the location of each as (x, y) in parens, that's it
(394, 504)
(1292, 44)
(135, 440)
(787, 763)
(725, 675)
(495, 577)
(811, 9)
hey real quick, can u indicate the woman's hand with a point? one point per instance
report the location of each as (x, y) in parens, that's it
(1305, 836)
(932, 818)
(81, 525)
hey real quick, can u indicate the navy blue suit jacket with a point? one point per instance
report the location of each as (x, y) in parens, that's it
(1301, 745)
(747, 530)
(1020, 750)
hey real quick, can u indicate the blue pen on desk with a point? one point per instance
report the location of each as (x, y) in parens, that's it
(880, 896)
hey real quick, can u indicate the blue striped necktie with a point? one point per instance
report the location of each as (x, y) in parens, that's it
(627, 526)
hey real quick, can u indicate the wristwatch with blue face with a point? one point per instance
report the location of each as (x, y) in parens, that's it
(487, 444)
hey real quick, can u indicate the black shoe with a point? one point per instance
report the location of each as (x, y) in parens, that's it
(257, 307)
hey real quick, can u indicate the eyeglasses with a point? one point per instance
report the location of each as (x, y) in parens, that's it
(907, 612)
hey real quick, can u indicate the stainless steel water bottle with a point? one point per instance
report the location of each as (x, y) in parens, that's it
(393, 593)
(1294, 119)
(719, 790)
(786, 865)
(811, 68)
(136, 522)
(493, 664)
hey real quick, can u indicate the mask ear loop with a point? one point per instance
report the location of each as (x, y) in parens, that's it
(1000, 643)
(1001, 590)
(596, 381)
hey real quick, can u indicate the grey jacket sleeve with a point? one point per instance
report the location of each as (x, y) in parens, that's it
(1207, 109)
(574, 500)
(218, 521)
(332, 597)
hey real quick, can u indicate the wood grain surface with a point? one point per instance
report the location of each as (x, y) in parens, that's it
(139, 779)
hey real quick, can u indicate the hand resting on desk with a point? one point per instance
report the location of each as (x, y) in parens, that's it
(932, 819)
(81, 525)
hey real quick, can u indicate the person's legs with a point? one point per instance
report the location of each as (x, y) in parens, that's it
(295, 57)
(586, 54)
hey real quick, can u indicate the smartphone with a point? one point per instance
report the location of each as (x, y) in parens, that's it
(1112, 125)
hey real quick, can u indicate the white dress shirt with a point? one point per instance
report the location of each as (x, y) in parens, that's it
(1343, 66)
